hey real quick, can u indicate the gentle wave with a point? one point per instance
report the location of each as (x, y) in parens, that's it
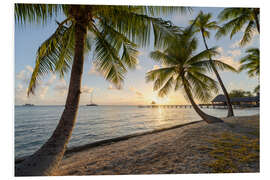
(34, 125)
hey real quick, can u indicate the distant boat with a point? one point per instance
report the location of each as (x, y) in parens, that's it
(28, 105)
(91, 101)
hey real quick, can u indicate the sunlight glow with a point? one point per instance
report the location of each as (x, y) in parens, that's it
(159, 100)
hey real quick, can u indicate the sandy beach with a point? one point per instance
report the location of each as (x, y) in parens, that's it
(232, 146)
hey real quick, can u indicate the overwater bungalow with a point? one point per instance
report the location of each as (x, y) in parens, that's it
(253, 101)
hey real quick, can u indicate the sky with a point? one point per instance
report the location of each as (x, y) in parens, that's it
(135, 91)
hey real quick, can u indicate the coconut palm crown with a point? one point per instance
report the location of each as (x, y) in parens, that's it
(114, 31)
(183, 68)
(237, 19)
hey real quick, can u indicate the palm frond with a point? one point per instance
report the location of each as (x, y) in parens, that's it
(203, 55)
(202, 86)
(251, 62)
(161, 10)
(160, 76)
(35, 13)
(216, 63)
(137, 27)
(107, 60)
(54, 55)
(163, 58)
(129, 49)
(248, 34)
(164, 90)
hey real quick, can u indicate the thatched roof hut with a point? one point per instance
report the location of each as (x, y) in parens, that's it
(220, 99)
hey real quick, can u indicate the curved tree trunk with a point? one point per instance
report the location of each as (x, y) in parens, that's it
(47, 159)
(204, 116)
(228, 101)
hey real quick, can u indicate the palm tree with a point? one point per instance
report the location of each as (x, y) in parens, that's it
(237, 19)
(203, 24)
(251, 62)
(185, 69)
(240, 93)
(113, 32)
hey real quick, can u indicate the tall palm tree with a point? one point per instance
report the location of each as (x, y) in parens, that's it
(115, 32)
(237, 19)
(187, 70)
(251, 62)
(203, 24)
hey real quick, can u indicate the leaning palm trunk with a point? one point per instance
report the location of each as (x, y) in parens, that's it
(204, 116)
(47, 159)
(228, 102)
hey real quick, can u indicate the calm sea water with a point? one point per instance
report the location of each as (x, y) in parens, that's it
(34, 125)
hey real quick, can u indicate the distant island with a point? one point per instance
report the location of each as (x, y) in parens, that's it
(28, 105)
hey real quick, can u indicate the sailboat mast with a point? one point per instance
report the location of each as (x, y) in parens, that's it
(91, 100)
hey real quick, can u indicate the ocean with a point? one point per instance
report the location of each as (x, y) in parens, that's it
(35, 124)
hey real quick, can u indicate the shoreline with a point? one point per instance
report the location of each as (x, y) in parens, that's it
(229, 147)
(114, 140)
(185, 148)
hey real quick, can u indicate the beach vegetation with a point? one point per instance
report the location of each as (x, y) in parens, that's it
(233, 153)
(240, 93)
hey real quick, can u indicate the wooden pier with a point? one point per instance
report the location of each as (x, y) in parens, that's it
(188, 106)
(165, 106)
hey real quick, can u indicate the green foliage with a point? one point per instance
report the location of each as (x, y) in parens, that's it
(236, 19)
(240, 93)
(256, 89)
(54, 55)
(232, 152)
(203, 24)
(251, 62)
(184, 67)
(35, 13)
(114, 33)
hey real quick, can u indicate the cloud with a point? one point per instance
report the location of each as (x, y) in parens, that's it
(235, 44)
(21, 75)
(220, 50)
(61, 87)
(138, 93)
(138, 67)
(111, 87)
(93, 70)
(42, 91)
(51, 80)
(235, 53)
(229, 60)
(20, 94)
(29, 68)
(22, 98)
(86, 89)
(25, 74)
